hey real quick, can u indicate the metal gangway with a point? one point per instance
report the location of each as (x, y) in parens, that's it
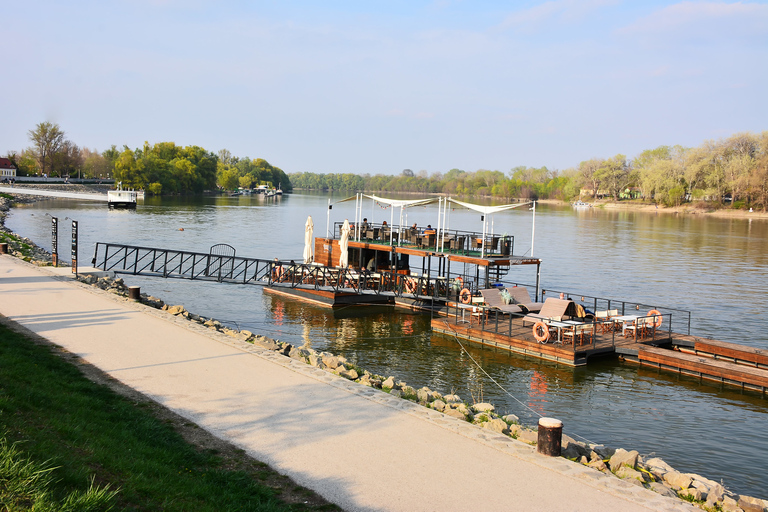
(221, 264)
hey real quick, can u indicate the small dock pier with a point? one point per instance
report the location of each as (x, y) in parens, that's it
(718, 361)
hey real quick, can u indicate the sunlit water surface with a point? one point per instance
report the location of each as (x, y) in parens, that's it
(715, 268)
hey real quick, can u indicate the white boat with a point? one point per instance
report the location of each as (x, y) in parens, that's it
(120, 198)
(581, 204)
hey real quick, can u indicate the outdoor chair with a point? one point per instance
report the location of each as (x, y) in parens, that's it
(521, 296)
(492, 297)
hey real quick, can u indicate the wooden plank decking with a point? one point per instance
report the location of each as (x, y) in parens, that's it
(516, 335)
(704, 367)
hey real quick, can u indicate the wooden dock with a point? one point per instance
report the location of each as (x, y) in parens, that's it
(718, 361)
(516, 335)
(727, 363)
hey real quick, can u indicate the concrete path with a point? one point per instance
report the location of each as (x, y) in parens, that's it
(55, 193)
(358, 447)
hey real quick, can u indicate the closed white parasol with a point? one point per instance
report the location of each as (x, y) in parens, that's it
(309, 246)
(344, 244)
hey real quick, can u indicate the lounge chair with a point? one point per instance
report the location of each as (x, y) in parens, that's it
(521, 296)
(553, 309)
(492, 297)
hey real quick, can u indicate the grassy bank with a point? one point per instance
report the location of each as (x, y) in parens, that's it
(113, 436)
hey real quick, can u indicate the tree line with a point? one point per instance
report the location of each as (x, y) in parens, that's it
(162, 168)
(730, 170)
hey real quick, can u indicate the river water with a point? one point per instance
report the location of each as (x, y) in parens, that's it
(716, 268)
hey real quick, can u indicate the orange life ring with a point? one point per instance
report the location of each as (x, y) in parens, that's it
(541, 332)
(465, 296)
(657, 318)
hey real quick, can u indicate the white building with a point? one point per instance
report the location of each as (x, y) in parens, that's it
(7, 169)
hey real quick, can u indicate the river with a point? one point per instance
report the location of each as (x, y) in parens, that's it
(714, 267)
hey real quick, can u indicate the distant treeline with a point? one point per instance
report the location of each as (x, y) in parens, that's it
(727, 170)
(163, 168)
(167, 168)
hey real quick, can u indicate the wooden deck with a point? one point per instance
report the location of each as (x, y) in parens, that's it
(705, 367)
(516, 335)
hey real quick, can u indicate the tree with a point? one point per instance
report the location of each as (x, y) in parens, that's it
(588, 172)
(616, 174)
(48, 139)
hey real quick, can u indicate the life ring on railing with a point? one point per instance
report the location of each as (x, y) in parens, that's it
(465, 296)
(657, 318)
(541, 332)
(410, 285)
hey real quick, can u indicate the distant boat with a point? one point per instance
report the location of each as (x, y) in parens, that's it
(120, 198)
(581, 204)
(279, 190)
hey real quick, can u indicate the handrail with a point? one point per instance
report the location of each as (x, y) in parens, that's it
(167, 263)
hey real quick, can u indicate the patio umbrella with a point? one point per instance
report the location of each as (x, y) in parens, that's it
(344, 244)
(309, 249)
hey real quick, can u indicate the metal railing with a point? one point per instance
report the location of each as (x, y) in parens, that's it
(450, 240)
(166, 263)
(586, 335)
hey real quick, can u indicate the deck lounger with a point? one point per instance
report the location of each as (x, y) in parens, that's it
(492, 297)
(552, 308)
(520, 295)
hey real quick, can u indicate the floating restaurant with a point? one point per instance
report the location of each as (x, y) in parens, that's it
(468, 281)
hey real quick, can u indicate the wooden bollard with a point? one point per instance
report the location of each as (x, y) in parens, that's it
(550, 437)
(3, 248)
(134, 292)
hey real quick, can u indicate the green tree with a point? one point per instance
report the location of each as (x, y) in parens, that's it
(47, 139)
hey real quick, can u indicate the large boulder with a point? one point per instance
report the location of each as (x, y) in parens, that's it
(388, 383)
(496, 425)
(438, 405)
(677, 480)
(691, 493)
(622, 457)
(750, 504)
(662, 489)
(483, 407)
(423, 394)
(176, 310)
(628, 473)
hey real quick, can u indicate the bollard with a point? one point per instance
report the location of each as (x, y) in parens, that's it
(134, 292)
(3, 248)
(550, 437)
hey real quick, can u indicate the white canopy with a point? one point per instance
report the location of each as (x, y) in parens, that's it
(487, 210)
(402, 203)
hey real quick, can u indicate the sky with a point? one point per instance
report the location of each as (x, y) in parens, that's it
(380, 86)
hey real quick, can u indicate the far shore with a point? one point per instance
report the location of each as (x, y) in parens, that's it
(688, 209)
(635, 206)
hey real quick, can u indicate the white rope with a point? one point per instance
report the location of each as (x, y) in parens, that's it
(499, 385)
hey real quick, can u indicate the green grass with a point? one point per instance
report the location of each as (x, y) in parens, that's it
(88, 433)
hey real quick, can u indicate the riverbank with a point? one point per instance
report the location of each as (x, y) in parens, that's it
(358, 447)
(688, 209)
(202, 307)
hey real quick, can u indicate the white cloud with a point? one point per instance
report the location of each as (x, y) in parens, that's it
(566, 11)
(706, 19)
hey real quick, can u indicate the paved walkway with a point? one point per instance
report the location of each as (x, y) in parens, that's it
(358, 447)
(55, 193)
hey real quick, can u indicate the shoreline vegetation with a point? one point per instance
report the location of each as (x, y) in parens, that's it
(731, 171)
(649, 472)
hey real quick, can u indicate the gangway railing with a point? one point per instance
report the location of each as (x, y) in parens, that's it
(222, 265)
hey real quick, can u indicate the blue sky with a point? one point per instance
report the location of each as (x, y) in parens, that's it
(377, 87)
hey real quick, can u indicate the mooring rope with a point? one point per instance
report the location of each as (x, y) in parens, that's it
(453, 332)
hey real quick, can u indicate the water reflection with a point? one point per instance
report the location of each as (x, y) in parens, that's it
(714, 267)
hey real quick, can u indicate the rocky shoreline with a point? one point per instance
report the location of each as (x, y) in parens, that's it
(652, 473)
(649, 472)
